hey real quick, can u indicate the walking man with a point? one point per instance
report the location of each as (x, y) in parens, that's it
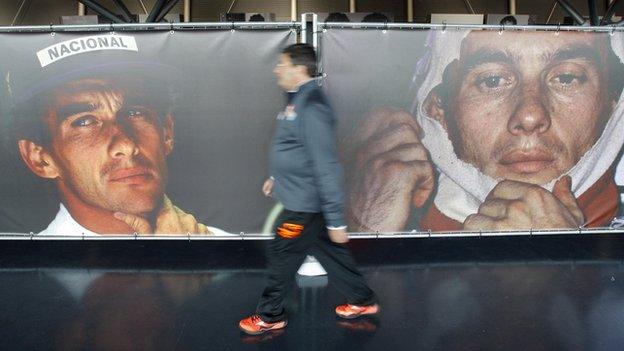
(306, 178)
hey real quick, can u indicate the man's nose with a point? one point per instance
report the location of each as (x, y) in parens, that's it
(531, 114)
(122, 141)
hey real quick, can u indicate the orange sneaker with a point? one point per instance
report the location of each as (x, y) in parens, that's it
(353, 311)
(254, 325)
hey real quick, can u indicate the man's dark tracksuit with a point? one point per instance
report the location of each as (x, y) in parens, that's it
(308, 182)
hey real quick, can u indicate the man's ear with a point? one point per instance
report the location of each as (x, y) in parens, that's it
(434, 107)
(168, 134)
(303, 70)
(38, 159)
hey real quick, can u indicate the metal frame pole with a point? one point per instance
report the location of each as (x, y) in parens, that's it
(18, 14)
(606, 19)
(143, 7)
(304, 28)
(593, 12)
(416, 26)
(293, 10)
(296, 25)
(187, 10)
(578, 18)
(151, 27)
(410, 11)
(102, 10)
(469, 6)
(155, 11)
(512, 7)
(165, 10)
(81, 9)
(124, 10)
(551, 11)
(352, 6)
(315, 29)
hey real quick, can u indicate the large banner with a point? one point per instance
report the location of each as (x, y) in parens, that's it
(457, 130)
(169, 132)
(169, 129)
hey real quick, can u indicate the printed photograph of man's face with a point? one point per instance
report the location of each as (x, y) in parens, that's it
(103, 141)
(527, 106)
(508, 131)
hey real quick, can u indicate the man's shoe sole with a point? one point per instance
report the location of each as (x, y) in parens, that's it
(261, 331)
(354, 316)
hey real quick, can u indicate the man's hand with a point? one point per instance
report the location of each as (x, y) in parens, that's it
(169, 220)
(517, 205)
(338, 235)
(390, 173)
(267, 187)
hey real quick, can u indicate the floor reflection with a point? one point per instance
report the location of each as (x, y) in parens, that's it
(510, 306)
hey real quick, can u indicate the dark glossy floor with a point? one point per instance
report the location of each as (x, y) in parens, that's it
(557, 293)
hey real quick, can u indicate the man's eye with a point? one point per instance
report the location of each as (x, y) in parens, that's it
(493, 82)
(568, 79)
(135, 113)
(83, 121)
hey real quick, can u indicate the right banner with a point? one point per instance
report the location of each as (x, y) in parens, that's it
(477, 130)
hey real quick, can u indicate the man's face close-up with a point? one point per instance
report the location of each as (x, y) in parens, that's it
(527, 107)
(285, 72)
(109, 146)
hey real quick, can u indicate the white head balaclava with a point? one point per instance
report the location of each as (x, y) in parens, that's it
(461, 186)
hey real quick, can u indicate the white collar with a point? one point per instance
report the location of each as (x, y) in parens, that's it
(64, 224)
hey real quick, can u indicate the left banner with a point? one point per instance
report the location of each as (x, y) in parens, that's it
(137, 132)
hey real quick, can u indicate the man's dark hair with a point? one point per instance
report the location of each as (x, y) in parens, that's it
(509, 21)
(337, 17)
(304, 55)
(375, 17)
(256, 18)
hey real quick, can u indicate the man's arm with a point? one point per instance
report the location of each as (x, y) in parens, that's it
(267, 187)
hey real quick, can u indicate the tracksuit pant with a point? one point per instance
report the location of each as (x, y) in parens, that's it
(297, 235)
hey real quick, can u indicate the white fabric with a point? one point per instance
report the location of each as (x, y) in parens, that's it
(462, 187)
(619, 173)
(64, 224)
(76, 281)
(311, 267)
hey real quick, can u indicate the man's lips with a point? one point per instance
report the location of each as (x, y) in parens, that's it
(132, 175)
(527, 162)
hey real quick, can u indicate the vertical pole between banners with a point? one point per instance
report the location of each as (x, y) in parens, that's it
(315, 30)
(304, 28)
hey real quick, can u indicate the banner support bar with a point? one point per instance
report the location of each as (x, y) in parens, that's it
(360, 235)
(151, 26)
(424, 26)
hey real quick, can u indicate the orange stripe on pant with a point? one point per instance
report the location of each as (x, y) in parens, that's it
(289, 230)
